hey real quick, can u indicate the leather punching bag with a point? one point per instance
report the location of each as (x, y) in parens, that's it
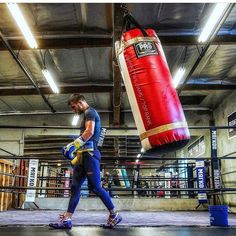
(155, 104)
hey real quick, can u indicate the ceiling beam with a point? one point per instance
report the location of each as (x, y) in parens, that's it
(61, 43)
(209, 87)
(182, 40)
(117, 80)
(78, 41)
(101, 87)
(46, 113)
(191, 100)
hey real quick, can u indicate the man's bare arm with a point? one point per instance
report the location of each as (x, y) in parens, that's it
(89, 130)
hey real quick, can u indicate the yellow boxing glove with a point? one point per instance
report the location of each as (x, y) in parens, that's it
(78, 158)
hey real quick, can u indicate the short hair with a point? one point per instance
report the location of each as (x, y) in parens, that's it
(75, 98)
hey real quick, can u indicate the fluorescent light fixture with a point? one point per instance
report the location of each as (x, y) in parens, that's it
(20, 20)
(178, 76)
(139, 155)
(212, 21)
(50, 80)
(137, 160)
(75, 120)
(142, 150)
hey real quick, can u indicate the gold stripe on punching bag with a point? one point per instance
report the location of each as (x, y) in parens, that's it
(140, 39)
(163, 128)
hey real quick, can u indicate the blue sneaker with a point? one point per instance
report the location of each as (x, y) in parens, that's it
(63, 224)
(113, 220)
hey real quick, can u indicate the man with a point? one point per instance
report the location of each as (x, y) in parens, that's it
(107, 182)
(87, 164)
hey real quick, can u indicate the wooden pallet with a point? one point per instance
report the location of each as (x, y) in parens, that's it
(6, 196)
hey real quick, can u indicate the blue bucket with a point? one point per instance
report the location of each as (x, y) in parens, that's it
(218, 215)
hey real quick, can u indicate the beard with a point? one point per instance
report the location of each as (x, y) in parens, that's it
(79, 112)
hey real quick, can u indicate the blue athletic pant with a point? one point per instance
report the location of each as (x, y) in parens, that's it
(89, 168)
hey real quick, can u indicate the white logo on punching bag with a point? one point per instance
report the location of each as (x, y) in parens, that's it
(145, 48)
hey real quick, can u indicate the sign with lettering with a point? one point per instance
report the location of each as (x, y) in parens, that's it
(167, 184)
(32, 180)
(145, 48)
(101, 137)
(67, 183)
(217, 180)
(213, 140)
(201, 181)
(215, 163)
(232, 122)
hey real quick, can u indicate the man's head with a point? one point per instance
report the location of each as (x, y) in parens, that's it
(77, 103)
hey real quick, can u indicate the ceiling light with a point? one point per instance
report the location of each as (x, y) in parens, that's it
(20, 20)
(75, 120)
(50, 80)
(137, 160)
(139, 155)
(58, 164)
(178, 76)
(212, 21)
(142, 150)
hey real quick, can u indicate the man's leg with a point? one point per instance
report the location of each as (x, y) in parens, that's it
(77, 181)
(92, 167)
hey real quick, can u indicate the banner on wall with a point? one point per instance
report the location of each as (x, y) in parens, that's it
(32, 180)
(167, 184)
(215, 161)
(67, 183)
(201, 181)
(232, 122)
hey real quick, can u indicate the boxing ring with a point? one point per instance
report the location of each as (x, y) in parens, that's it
(179, 202)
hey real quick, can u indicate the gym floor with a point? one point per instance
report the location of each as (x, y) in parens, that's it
(120, 230)
(35, 222)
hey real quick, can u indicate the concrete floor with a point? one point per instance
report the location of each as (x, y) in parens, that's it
(135, 223)
(119, 231)
(96, 218)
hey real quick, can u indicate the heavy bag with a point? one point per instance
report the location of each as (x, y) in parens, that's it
(156, 108)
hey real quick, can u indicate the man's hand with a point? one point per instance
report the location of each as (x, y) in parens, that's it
(69, 151)
(79, 142)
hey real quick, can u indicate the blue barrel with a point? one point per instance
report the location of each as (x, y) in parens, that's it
(218, 215)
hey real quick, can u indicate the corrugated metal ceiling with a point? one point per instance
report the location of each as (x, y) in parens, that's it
(93, 65)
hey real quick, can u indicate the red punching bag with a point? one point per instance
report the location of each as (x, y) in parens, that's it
(156, 108)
